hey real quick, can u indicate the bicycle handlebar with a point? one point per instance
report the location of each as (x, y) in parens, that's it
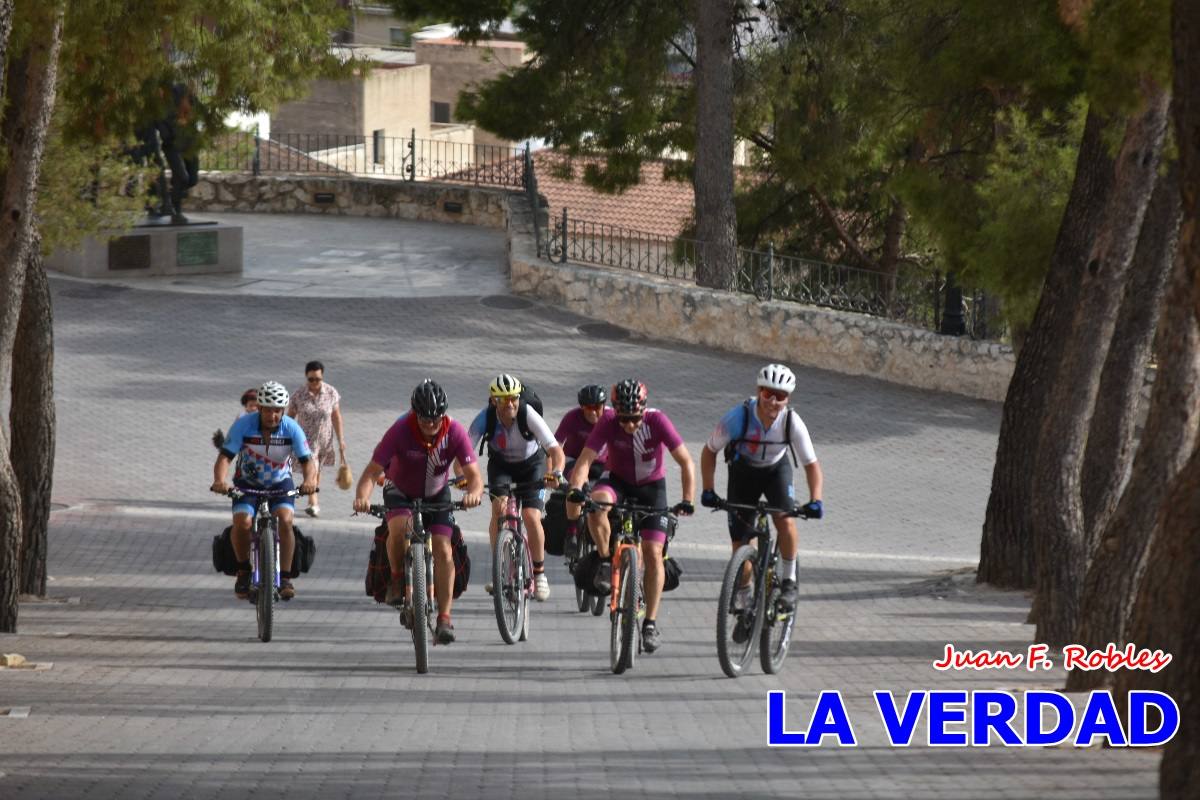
(380, 511)
(269, 494)
(761, 506)
(505, 489)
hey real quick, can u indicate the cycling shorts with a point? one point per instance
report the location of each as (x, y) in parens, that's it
(653, 494)
(531, 471)
(747, 484)
(249, 503)
(438, 523)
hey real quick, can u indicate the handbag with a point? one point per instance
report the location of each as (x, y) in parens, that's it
(345, 478)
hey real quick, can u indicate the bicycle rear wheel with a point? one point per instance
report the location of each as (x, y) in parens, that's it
(508, 584)
(583, 599)
(420, 604)
(623, 641)
(737, 627)
(598, 605)
(776, 631)
(265, 602)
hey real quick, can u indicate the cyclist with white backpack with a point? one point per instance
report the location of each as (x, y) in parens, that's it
(756, 437)
(516, 436)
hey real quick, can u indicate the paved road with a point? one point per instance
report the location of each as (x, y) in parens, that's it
(159, 688)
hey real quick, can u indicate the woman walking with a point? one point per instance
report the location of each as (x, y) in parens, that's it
(316, 407)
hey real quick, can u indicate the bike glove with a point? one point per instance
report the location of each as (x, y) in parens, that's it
(710, 499)
(812, 510)
(684, 507)
(576, 496)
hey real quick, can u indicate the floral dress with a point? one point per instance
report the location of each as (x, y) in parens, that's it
(315, 415)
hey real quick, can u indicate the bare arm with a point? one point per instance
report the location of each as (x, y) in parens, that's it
(708, 469)
(220, 472)
(812, 473)
(337, 430)
(473, 493)
(687, 472)
(366, 482)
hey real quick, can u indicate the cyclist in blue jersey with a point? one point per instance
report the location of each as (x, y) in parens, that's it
(264, 444)
(756, 436)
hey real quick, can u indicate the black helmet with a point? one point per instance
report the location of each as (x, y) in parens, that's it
(428, 399)
(629, 397)
(593, 395)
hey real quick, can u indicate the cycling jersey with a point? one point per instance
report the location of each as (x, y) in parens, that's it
(418, 468)
(761, 447)
(265, 463)
(573, 432)
(507, 442)
(636, 458)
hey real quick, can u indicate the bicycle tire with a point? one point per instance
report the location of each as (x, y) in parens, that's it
(508, 591)
(583, 598)
(776, 633)
(265, 602)
(420, 605)
(733, 656)
(623, 643)
(598, 606)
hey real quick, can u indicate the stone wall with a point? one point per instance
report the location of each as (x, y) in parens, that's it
(353, 197)
(854, 344)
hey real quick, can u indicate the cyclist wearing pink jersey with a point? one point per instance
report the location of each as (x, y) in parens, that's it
(572, 433)
(416, 454)
(637, 439)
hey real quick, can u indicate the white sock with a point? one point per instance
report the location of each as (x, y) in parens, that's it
(787, 569)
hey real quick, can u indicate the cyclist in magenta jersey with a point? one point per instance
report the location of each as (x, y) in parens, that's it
(516, 437)
(757, 435)
(264, 443)
(572, 433)
(415, 454)
(637, 438)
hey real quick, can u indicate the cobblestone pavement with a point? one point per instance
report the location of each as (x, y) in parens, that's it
(159, 687)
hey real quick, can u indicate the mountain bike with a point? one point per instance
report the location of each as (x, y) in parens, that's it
(513, 582)
(585, 601)
(418, 607)
(264, 554)
(748, 606)
(626, 605)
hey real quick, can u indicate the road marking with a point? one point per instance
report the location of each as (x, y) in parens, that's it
(19, 712)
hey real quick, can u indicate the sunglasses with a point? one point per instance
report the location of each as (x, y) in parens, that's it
(429, 420)
(597, 408)
(624, 418)
(778, 395)
(314, 380)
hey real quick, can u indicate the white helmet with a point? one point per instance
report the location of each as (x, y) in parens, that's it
(272, 395)
(777, 376)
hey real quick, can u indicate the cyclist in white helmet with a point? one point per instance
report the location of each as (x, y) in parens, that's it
(757, 436)
(263, 444)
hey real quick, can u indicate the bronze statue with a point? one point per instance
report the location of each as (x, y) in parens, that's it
(168, 142)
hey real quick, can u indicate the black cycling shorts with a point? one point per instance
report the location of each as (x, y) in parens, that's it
(653, 495)
(531, 470)
(747, 484)
(396, 502)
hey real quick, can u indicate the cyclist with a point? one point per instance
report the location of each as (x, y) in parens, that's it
(572, 434)
(636, 438)
(755, 436)
(416, 454)
(516, 436)
(264, 443)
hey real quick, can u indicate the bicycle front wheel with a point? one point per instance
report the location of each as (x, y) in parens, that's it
(623, 641)
(776, 631)
(737, 623)
(420, 604)
(583, 599)
(508, 584)
(265, 602)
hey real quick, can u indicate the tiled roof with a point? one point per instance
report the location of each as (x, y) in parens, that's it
(654, 205)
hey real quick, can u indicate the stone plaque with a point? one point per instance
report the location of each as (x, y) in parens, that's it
(196, 249)
(129, 252)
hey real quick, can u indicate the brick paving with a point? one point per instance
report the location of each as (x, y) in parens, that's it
(159, 687)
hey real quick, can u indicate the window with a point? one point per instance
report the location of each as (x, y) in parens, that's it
(399, 37)
(441, 112)
(378, 142)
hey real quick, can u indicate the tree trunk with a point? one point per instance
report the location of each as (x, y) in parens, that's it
(716, 219)
(32, 420)
(1006, 550)
(31, 83)
(1058, 502)
(6, 15)
(1170, 435)
(1110, 440)
(1175, 583)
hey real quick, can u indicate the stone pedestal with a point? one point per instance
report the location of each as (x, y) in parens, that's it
(155, 248)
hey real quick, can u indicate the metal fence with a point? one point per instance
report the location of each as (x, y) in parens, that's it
(613, 246)
(396, 157)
